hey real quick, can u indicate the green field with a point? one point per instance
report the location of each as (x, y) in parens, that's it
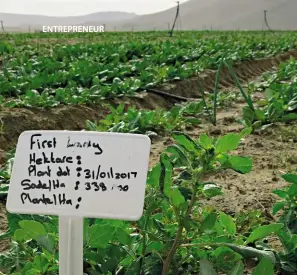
(221, 111)
(47, 74)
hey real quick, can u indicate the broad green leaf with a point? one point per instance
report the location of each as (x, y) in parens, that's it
(165, 180)
(289, 117)
(27, 267)
(264, 267)
(277, 207)
(186, 192)
(100, 235)
(13, 221)
(281, 193)
(241, 164)
(269, 93)
(238, 269)
(285, 237)
(291, 178)
(222, 158)
(245, 132)
(206, 268)
(94, 256)
(230, 141)
(123, 236)
(292, 191)
(248, 115)
(20, 236)
(260, 115)
(192, 120)
(41, 262)
(155, 246)
(176, 197)
(211, 190)
(228, 223)
(264, 231)
(250, 252)
(33, 229)
(180, 157)
(294, 240)
(47, 243)
(154, 176)
(227, 143)
(205, 141)
(185, 141)
(208, 222)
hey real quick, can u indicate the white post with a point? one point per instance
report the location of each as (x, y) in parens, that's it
(70, 245)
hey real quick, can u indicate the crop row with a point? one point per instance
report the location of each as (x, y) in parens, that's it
(46, 75)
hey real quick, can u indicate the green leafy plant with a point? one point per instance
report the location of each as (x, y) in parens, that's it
(280, 103)
(150, 122)
(198, 159)
(5, 173)
(288, 235)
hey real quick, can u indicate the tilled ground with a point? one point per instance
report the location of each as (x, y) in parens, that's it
(273, 152)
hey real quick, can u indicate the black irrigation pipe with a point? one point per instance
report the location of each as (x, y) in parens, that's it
(165, 94)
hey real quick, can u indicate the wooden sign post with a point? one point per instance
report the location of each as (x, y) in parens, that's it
(75, 175)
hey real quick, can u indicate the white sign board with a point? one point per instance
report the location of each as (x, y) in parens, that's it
(82, 174)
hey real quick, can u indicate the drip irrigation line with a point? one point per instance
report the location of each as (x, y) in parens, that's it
(165, 94)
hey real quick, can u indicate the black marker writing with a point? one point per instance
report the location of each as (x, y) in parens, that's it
(79, 200)
(42, 144)
(76, 185)
(86, 144)
(109, 174)
(63, 173)
(48, 158)
(38, 173)
(45, 185)
(95, 186)
(56, 199)
(124, 188)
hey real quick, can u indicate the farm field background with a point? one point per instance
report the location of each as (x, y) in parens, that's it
(228, 102)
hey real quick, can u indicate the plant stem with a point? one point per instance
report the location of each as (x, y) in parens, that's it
(247, 98)
(216, 91)
(144, 237)
(172, 251)
(205, 103)
(178, 235)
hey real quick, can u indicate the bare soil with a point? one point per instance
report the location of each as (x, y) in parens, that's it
(273, 151)
(4, 245)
